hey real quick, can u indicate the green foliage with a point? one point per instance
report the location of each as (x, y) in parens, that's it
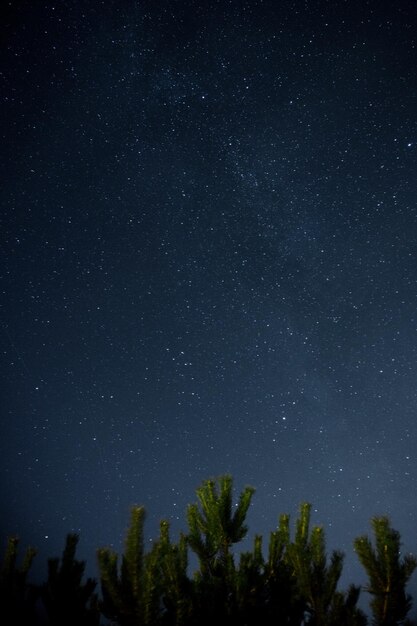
(304, 580)
(295, 579)
(387, 572)
(293, 583)
(249, 583)
(316, 578)
(150, 588)
(169, 568)
(281, 583)
(343, 610)
(17, 597)
(67, 600)
(123, 593)
(213, 528)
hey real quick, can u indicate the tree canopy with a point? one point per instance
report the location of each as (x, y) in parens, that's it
(290, 581)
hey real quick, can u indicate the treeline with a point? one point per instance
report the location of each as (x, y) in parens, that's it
(291, 581)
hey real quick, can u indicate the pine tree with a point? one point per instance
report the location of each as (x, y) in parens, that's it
(67, 600)
(170, 563)
(151, 588)
(249, 586)
(213, 529)
(17, 596)
(316, 577)
(344, 611)
(387, 572)
(285, 605)
(125, 600)
(266, 591)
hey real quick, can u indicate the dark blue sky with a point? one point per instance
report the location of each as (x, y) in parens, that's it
(208, 264)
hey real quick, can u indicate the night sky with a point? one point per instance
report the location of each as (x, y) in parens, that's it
(208, 264)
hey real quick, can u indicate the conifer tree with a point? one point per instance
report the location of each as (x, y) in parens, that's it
(249, 586)
(17, 596)
(213, 529)
(344, 611)
(151, 588)
(266, 592)
(284, 602)
(316, 577)
(170, 567)
(387, 572)
(67, 600)
(124, 596)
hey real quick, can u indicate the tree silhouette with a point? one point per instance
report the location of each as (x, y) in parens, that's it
(387, 572)
(67, 600)
(214, 527)
(17, 597)
(317, 576)
(293, 584)
(168, 564)
(150, 588)
(124, 597)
